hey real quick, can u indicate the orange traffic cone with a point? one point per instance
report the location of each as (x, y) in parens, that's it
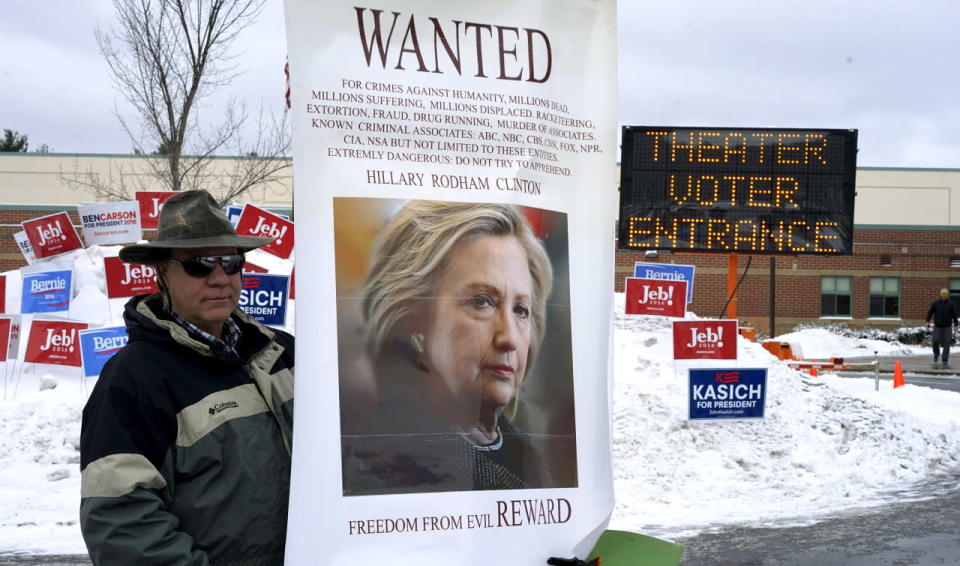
(813, 372)
(897, 374)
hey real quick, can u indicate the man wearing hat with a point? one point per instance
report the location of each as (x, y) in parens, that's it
(943, 313)
(185, 445)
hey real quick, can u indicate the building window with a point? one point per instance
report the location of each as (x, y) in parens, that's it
(885, 297)
(954, 288)
(885, 260)
(834, 296)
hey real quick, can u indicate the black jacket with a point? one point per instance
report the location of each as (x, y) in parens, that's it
(185, 457)
(943, 313)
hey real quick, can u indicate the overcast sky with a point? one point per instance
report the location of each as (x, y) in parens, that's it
(886, 67)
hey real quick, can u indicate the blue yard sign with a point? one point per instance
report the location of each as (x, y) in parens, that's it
(264, 297)
(727, 393)
(99, 345)
(233, 214)
(669, 271)
(47, 291)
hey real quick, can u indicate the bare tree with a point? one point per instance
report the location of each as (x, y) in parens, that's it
(165, 57)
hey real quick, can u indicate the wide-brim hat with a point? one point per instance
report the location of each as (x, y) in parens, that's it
(190, 220)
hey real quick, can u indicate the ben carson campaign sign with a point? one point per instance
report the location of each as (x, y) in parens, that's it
(54, 342)
(727, 393)
(150, 203)
(264, 297)
(672, 271)
(255, 221)
(23, 244)
(705, 339)
(47, 291)
(128, 280)
(99, 345)
(112, 223)
(51, 235)
(656, 297)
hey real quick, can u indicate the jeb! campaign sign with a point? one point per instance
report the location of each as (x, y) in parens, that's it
(128, 280)
(47, 291)
(705, 339)
(150, 203)
(264, 297)
(672, 271)
(99, 345)
(51, 235)
(656, 297)
(54, 342)
(734, 393)
(255, 221)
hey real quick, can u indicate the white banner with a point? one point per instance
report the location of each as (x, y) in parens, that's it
(455, 172)
(110, 223)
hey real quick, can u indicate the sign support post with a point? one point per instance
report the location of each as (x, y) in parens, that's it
(731, 286)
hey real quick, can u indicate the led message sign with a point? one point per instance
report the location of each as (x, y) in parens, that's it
(731, 190)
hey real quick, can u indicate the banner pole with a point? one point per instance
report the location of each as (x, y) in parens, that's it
(732, 286)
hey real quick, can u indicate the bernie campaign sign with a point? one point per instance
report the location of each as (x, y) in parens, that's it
(728, 393)
(671, 271)
(264, 297)
(47, 291)
(99, 345)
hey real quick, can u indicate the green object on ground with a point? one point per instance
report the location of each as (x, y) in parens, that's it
(622, 548)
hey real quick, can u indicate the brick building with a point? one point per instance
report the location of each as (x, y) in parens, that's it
(906, 245)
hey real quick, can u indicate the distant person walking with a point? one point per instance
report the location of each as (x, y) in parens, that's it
(943, 314)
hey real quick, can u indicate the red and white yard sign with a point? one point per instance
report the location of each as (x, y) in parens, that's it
(51, 235)
(128, 280)
(150, 203)
(255, 221)
(705, 340)
(658, 297)
(5, 324)
(55, 342)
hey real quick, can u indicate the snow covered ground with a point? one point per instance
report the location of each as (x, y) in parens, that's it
(826, 443)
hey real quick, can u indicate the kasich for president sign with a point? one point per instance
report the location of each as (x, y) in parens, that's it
(656, 297)
(264, 297)
(705, 340)
(728, 393)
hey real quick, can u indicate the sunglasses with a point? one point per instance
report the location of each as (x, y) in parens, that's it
(204, 265)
